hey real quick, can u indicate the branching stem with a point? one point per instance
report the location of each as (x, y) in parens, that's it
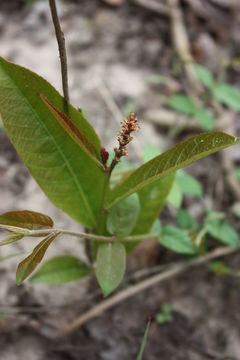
(83, 235)
(61, 47)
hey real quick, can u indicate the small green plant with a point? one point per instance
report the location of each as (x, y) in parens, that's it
(216, 90)
(165, 315)
(65, 156)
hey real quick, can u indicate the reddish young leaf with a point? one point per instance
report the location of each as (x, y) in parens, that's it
(72, 129)
(25, 220)
(28, 265)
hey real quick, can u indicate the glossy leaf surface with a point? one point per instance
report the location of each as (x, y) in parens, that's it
(28, 265)
(61, 270)
(64, 171)
(110, 266)
(27, 220)
(183, 154)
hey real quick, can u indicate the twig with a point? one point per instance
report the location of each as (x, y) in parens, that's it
(181, 42)
(61, 47)
(135, 289)
(27, 232)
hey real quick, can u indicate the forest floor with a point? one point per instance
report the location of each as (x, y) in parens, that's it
(113, 52)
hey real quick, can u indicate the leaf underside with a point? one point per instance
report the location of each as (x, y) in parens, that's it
(110, 266)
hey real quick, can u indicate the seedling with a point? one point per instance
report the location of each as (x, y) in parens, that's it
(65, 156)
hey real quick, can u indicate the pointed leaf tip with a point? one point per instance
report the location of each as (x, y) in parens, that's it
(28, 265)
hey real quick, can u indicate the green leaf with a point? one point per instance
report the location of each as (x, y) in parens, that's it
(185, 219)
(110, 266)
(152, 199)
(26, 220)
(227, 95)
(165, 315)
(61, 270)
(176, 240)
(204, 75)
(182, 103)
(224, 232)
(183, 154)
(175, 196)
(205, 119)
(123, 217)
(189, 185)
(64, 171)
(28, 265)
(11, 239)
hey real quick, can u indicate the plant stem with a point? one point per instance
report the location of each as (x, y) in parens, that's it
(87, 236)
(61, 48)
(143, 285)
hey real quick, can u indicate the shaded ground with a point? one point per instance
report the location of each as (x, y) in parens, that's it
(116, 49)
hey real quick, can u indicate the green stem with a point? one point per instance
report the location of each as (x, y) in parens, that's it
(102, 212)
(87, 236)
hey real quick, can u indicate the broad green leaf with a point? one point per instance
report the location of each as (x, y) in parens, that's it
(204, 75)
(176, 240)
(122, 218)
(28, 265)
(224, 232)
(64, 171)
(27, 220)
(61, 270)
(227, 95)
(175, 196)
(183, 154)
(205, 119)
(182, 103)
(188, 184)
(144, 341)
(11, 239)
(73, 130)
(110, 266)
(152, 199)
(185, 220)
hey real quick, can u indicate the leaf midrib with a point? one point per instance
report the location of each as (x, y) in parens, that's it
(69, 167)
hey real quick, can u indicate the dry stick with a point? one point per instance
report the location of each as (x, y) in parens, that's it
(180, 38)
(135, 289)
(61, 47)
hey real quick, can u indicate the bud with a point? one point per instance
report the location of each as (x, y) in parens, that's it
(104, 156)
